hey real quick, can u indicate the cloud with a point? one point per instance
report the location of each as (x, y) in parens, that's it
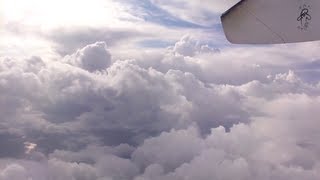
(178, 147)
(189, 47)
(163, 115)
(12, 145)
(14, 172)
(67, 41)
(259, 150)
(116, 91)
(152, 12)
(204, 13)
(92, 58)
(64, 170)
(126, 24)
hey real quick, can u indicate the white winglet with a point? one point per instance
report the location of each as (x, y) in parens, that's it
(272, 21)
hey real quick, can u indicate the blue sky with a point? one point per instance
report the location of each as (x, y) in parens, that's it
(155, 14)
(149, 20)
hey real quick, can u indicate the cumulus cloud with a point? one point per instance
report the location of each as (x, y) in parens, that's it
(191, 111)
(177, 147)
(92, 58)
(187, 46)
(14, 172)
(110, 109)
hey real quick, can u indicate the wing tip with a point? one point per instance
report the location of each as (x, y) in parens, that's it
(231, 9)
(224, 16)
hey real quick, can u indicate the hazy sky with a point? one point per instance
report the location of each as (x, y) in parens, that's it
(151, 90)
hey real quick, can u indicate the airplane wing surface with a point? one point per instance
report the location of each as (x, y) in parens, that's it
(272, 21)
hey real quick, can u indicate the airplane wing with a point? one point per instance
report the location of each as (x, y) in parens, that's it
(272, 21)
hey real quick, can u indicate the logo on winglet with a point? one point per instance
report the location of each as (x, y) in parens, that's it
(304, 17)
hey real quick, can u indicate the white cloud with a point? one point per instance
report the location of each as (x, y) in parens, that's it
(204, 12)
(34, 28)
(44, 13)
(112, 109)
(14, 172)
(64, 170)
(184, 112)
(187, 46)
(92, 58)
(177, 147)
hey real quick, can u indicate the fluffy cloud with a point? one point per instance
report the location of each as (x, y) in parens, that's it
(14, 172)
(115, 108)
(177, 147)
(92, 58)
(173, 115)
(187, 46)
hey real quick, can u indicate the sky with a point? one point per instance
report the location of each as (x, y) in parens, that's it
(151, 90)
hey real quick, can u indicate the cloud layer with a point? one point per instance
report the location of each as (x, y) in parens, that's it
(122, 93)
(89, 116)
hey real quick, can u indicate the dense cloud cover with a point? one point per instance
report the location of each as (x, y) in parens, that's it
(91, 117)
(115, 90)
